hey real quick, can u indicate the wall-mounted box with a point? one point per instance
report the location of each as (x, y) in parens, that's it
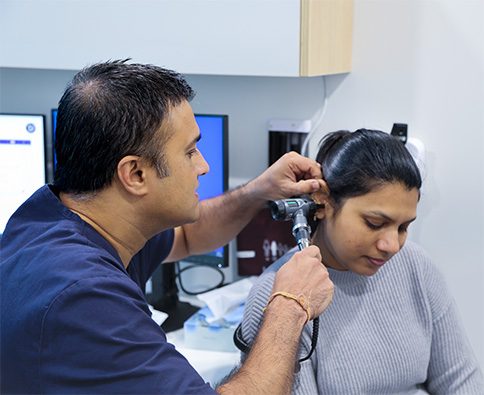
(222, 37)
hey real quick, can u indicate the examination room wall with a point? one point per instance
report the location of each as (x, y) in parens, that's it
(419, 62)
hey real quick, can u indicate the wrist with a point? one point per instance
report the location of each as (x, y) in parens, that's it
(286, 310)
(253, 193)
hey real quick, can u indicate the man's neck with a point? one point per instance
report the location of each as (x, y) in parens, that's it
(112, 220)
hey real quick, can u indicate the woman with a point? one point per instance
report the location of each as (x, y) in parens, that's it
(392, 326)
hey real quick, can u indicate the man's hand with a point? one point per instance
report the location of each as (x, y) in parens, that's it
(292, 175)
(305, 275)
(269, 367)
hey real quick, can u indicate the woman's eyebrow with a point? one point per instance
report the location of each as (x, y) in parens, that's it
(380, 214)
(383, 215)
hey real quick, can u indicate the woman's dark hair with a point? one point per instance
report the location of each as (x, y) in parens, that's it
(354, 164)
(108, 111)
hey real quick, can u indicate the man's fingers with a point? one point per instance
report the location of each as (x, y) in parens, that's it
(313, 251)
(305, 187)
(308, 168)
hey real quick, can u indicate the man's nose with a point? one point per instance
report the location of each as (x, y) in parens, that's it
(203, 167)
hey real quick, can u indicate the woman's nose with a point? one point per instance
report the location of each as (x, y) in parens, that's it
(389, 242)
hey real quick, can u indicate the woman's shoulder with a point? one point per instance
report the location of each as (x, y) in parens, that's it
(415, 263)
(413, 251)
(258, 297)
(413, 258)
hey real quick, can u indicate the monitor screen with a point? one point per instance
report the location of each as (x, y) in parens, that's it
(214, 147)
(23, 169)
(53, 114)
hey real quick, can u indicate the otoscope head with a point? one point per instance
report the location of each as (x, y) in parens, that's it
(285, 209)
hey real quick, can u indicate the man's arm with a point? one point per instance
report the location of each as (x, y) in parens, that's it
(269, 367)
(223, 217)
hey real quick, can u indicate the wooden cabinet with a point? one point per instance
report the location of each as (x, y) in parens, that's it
(223, 37)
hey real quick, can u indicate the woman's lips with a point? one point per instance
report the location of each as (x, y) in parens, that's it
(377, 262)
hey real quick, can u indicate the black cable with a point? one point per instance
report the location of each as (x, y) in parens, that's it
(239, 341)
(314, 339)
(180, 271)
(243, 346)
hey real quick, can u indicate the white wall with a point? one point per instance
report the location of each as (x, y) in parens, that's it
(419, 62)
(422, 62)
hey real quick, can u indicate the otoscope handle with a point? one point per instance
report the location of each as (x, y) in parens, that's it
(301, 230)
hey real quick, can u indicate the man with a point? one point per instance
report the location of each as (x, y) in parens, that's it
(76, 254)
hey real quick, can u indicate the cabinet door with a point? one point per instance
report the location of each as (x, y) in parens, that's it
(225, 37)
(233, 37)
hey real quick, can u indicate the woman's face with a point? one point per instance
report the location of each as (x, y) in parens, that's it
(367, 230)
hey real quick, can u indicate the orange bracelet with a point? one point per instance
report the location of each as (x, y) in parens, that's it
(301, 300)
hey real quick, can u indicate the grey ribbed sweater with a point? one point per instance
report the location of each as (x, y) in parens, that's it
(396, 332)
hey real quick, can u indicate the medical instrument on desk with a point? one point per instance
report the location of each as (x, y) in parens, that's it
(297, 210)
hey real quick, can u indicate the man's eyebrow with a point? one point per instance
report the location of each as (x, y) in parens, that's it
(383, 215)
(195, 140)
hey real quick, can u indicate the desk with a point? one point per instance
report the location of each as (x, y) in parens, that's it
(213, 366)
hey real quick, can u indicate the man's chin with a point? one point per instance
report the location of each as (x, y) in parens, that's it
(190, 220)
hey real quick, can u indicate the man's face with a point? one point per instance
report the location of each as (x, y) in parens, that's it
(175, 195)
(367, 230)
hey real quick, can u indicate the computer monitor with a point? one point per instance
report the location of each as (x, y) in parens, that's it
(53, 114)
(214, 147)
(23, 153)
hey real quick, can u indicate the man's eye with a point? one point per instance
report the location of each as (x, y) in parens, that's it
(192, 152)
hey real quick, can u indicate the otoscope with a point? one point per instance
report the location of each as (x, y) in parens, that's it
(297, 210)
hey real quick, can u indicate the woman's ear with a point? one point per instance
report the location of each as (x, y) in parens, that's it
(321, 197)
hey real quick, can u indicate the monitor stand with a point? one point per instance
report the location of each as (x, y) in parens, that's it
(164, 297)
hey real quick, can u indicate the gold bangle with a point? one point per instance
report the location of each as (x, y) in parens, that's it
(301, 300)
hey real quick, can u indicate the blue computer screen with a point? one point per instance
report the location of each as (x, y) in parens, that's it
(214, 147)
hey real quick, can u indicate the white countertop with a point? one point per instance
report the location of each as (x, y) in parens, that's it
(213, 366)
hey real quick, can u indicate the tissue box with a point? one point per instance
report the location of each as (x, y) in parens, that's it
(202, 332)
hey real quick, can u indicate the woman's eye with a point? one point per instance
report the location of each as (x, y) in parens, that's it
(403, 229)
(373, 225)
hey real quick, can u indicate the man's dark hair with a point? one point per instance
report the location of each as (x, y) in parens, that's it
(357, 163)
(108, 111)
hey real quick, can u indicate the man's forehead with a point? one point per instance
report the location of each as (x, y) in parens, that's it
(179, 124)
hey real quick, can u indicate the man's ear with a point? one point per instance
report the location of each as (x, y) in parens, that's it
(321, 197)
(131, 173)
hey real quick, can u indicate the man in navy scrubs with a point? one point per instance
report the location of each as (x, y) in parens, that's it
(76, 255)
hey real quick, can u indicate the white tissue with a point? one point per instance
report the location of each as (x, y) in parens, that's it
(222, 300)
(158, 316)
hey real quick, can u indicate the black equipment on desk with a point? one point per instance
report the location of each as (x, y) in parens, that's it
(163, 296)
